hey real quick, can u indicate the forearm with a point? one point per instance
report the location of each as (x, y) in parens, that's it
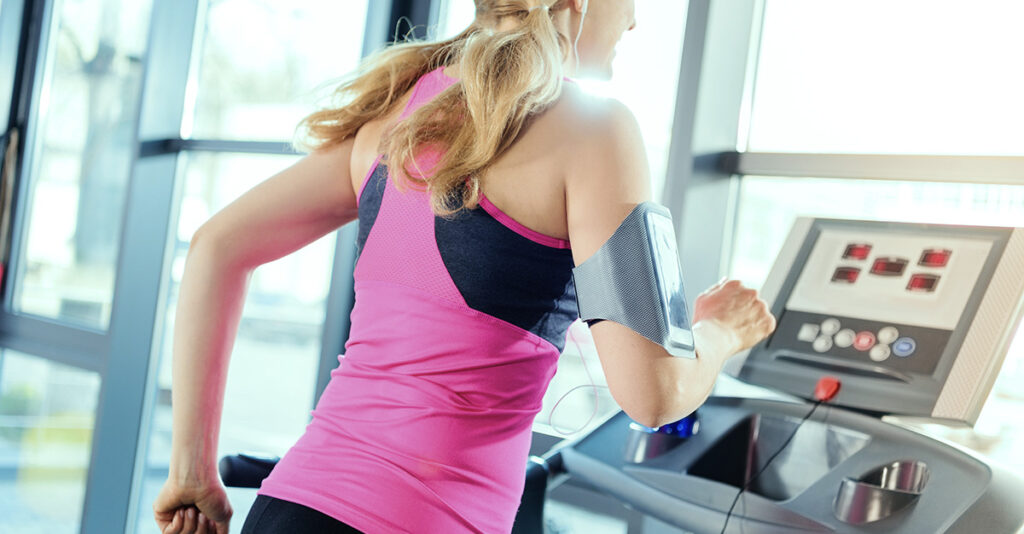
(693, 379)
(652, 386)
(210, 302)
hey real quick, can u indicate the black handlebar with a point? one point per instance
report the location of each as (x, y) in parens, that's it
(246, 470)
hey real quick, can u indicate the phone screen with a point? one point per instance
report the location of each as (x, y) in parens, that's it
(670, 277)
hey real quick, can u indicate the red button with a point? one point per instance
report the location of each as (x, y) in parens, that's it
(923, 282)
(935, 257)
(846, 274)
(857, 251)
(864, 341)
(889, 266)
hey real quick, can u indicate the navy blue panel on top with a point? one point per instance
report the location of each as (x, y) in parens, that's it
(506, 275)
(369, 204)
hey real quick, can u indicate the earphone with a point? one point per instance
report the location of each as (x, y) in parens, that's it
(576, 43)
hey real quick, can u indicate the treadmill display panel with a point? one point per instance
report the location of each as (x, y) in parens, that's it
(898, 314)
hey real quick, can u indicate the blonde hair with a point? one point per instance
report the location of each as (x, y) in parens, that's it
(507, 76)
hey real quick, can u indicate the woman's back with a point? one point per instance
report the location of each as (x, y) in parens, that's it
(456, 330)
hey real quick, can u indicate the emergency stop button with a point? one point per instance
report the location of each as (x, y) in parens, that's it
(864, 341)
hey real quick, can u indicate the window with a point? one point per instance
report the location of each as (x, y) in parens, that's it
(81, 158)
(769, 205)
(46, 424)
(910, 77)
(262, 63)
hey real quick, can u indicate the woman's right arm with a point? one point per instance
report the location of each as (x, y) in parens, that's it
(609, 176)
(277, 217)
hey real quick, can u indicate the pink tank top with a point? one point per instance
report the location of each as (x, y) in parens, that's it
(425, 426)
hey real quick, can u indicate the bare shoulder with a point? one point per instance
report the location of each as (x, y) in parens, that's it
(601, 143)
(605, 167)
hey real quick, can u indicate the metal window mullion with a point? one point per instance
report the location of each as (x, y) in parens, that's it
(45, 338)
(127, 391)
(11, 16)
(36, 37)
(709, 107)
(159, 147)
(928, 168)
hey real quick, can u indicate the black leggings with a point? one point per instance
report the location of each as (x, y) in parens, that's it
(269, 515)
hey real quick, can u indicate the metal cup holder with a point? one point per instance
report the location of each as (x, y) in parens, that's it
(881, 492)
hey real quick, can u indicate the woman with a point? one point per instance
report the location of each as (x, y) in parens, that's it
(492, 163)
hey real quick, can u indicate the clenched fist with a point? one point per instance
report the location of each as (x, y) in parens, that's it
(737, 309)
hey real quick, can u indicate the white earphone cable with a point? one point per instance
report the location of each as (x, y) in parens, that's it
(576, 43)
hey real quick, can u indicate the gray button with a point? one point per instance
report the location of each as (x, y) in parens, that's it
(888, 335)
(829, 327)
(822, 344)
(808, 332)
(879, 353)
(845, 337)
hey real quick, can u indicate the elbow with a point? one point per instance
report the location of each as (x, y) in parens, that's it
(652, 419)
(664, 407)
(207, 245)
(657, 408)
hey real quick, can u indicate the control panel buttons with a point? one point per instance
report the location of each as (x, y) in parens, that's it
(844, 338)
(829, 327)
(888, 334)
(864, 341)
(904, 346)
(823, 343)
(879, 353)
(808, 332)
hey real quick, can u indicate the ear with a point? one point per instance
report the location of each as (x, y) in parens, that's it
(580, 6)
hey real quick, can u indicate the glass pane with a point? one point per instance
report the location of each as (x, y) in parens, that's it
(644, 81)
(768, 207)
(876, 76)
(458, 15)
(263, 64)
(272, 376)
(81, 159)
(46, 422)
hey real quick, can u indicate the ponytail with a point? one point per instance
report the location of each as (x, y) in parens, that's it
(507, 76)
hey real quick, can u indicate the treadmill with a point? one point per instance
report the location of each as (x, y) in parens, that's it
(914, 321)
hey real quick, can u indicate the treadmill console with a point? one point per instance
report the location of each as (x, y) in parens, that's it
(915, 319)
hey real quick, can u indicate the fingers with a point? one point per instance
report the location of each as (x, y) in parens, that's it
(188, 520)
(175, 525)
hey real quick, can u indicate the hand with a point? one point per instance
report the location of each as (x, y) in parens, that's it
(736, 308)
(200, 508)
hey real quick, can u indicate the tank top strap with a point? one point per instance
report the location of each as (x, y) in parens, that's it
(427, 87)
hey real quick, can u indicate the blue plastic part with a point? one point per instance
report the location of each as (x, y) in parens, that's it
(683, 428)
